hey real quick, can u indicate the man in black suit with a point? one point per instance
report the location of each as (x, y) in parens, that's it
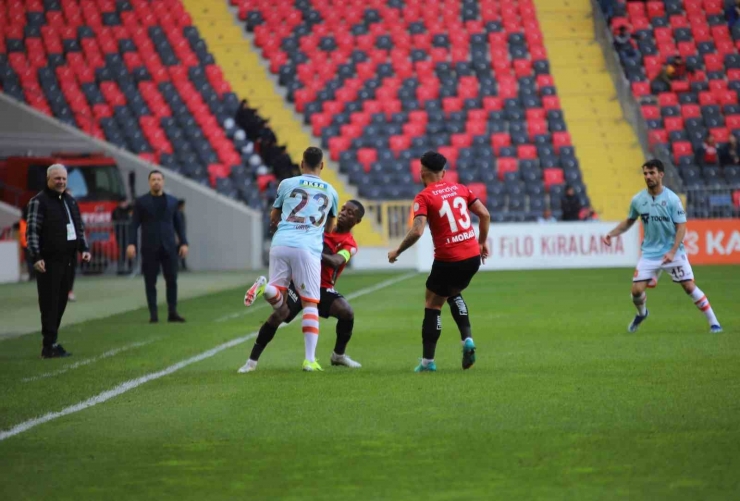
(159, 218)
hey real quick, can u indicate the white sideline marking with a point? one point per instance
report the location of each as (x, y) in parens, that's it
(135, 383)
(107, 354)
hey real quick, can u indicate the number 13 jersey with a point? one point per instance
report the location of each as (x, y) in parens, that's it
(306, 202)
(446, 207)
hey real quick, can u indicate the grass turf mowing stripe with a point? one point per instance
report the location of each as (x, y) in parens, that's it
(107, 354)
(135, 383)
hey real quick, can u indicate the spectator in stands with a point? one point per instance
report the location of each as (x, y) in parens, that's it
(729, 154)
(674, 70)
(708, 153)
(733, 14)
(571, 205)
(546, 217)
(588, 214)
(121, 218)
(623, 41)
(248, 119)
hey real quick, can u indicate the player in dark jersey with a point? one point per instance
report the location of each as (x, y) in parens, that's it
(457, 253)
(339, 247)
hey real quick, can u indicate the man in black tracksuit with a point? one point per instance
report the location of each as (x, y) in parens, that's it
(55, 235)
(157, 214)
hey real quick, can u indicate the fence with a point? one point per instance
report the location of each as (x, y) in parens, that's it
(713, 203)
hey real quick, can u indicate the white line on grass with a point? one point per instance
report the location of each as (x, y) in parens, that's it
(135, 383)
(107, 354)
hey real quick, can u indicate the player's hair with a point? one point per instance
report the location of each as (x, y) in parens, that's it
(360, 208)
(433, 161)
(654, 164)
(155, 171)
(312, 157)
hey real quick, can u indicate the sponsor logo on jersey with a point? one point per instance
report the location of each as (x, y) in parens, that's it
(313, 184)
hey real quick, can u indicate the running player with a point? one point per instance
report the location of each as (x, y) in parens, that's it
(305, 207)
(339, 247)
(457, 253)
(664, 224)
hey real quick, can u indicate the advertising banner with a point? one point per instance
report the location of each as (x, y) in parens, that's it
(713, 241)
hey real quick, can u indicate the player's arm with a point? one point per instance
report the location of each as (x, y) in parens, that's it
(680, 234)
(334, 261)
(275, 215)
(331, 223)
(413, 236)
(484, 221)
(618, 230)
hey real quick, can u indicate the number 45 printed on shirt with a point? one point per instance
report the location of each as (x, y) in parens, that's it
(293, 217)
(461, 205)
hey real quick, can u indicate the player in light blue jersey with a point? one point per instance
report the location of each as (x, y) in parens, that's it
(305, 208)
(664, 224)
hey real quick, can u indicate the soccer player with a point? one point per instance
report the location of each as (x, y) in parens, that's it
(305, 207)
(664, 224)
(339, 247)
(457, 253)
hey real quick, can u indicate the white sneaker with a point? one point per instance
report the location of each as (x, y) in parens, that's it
(250, 366)
(344, 360)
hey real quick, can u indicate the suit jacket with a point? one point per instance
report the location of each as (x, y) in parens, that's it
(157, 230)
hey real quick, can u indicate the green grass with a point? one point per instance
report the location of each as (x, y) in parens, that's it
(562, 403)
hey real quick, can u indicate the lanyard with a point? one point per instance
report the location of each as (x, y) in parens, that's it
(69, 215)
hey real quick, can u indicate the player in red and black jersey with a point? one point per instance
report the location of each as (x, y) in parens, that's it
(457, 253)
(339, 247)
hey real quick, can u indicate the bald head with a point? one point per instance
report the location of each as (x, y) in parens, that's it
(56, 178)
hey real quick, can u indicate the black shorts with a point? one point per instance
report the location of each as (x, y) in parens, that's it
(448, 278)
(326, 299)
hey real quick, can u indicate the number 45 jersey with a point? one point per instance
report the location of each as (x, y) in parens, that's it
(306, 202)
(446, 207)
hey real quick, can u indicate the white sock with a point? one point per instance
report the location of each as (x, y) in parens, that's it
(310, 326)
(426, 361)
(701, 302)
(640, 303)
(469, 337)
(252, 363)
(273, 296)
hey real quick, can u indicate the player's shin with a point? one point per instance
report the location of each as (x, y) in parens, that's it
(459, 310)
(310, 326)
(274, 296)
(640, 302)
(431, 330)
(344, 334)
(701, 302)
(265, 335)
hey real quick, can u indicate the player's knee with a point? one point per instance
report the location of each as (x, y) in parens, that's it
(688, 286)
(638, 288)
(346, 313)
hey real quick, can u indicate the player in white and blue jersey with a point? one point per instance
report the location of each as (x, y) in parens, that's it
(305, 208)
(664, 224)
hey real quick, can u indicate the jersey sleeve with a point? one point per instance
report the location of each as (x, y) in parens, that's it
(347, 249)
(420, 205)
(472, 197)
(633, 214)
(678, 214)
(282, 188)
(334, 203)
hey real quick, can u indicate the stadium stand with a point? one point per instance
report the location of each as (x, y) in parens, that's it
(381, 81)
(137, 74)
(682, 61)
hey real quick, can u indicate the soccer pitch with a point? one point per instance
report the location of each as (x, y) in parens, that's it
(562, 403)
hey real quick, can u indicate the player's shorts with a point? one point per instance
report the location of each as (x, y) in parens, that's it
(328, 296)
(291, 264)
(679, 269)
(447, 277)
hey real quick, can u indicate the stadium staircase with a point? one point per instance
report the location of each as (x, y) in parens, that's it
(609, 152)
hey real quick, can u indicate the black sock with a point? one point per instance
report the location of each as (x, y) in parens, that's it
(344, 334)
(459, 311)
(431, 329)
(266, 333)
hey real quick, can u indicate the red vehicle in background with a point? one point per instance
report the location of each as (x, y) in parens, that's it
(94, 180)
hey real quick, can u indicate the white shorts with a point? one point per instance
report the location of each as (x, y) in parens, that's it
(679, 269)
(298, 265)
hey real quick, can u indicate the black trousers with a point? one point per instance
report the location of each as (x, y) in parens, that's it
(53, 287)
(150, 264)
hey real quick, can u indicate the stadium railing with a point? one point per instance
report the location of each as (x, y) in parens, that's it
(719, 202)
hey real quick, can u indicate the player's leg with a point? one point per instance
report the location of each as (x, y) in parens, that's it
(307, 279)
(273, 289)
(466, 270)
(286, 313)
(459, 310)
(340, 309)
(682, 273)
(431, 327)
(646, 271)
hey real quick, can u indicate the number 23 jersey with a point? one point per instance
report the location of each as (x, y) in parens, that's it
(446, 207)
(306, 202)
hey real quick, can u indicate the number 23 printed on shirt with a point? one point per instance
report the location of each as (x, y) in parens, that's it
(461, 205)
(293, 217)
